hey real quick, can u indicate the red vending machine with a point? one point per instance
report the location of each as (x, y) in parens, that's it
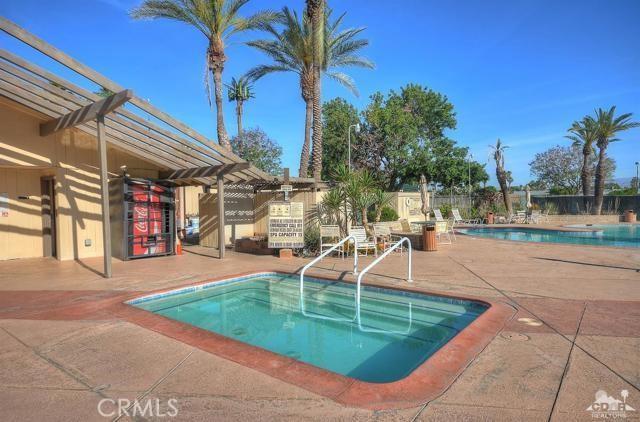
(142, 214)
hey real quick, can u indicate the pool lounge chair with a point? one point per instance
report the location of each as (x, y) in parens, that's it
(520, 217)
(438, 214)
(365, 243)
(457, 218)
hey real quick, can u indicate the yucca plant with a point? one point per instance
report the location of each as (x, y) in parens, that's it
(607, 127)
(291, 50)
(240, 90)
(218, 21)
(381, 199)
(583, 133)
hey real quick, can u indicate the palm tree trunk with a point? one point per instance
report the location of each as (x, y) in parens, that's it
(239, 117)
(585, 174)
(222, 132)
(315, 8)
(599, 187)
(304, 156)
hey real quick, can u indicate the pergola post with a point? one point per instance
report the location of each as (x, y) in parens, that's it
(104, 194)
(221, 232)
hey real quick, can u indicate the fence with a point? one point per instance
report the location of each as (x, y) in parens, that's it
(577, 204)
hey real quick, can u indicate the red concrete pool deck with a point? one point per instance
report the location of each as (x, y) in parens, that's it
(65, 344)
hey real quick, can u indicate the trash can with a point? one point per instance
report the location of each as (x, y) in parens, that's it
(429, 238)
(489, 218)
(629, 216)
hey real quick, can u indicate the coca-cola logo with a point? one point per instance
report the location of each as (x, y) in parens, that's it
(140, 216)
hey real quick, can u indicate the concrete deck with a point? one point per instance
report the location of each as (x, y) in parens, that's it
(61, 351)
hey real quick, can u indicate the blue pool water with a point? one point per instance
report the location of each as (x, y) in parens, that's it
(395, 333)
(619, 235)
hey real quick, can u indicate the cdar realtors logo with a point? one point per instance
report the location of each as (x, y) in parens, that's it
(608, 407)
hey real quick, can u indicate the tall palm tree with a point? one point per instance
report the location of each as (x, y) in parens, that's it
(583, 134)
(240, 90)
(608, 127)
(291, 50)
(315, 11)
(218, 21)
(498, 155)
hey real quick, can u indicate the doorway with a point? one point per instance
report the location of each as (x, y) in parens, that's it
(48, 200)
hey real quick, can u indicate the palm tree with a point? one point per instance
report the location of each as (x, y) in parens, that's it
(607, 127)
(498, 155)
(291, 50)
(240, 90)
(583, 134)
(218, 21)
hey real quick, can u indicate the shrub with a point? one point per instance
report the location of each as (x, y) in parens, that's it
(445, 209)
(311, 240)
(388, 214)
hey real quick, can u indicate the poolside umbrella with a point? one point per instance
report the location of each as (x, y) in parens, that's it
(528, 192)
(424, 196)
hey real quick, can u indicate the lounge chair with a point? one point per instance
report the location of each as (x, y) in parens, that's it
(520, 217)
(332, 234)
(365, 243)
(457, 218)
(409, 227)
(438, 214)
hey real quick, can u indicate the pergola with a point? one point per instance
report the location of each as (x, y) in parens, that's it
(187, 157)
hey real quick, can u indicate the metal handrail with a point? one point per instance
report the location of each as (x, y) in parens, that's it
(318, 259)
(373, 264)
(380, 258)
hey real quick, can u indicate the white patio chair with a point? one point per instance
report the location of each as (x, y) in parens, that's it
(438, 214)
(535, 217)
(365, 243)
(382, 232)
(332, 234)
(443, 231)
(544, 217)
(457, 218)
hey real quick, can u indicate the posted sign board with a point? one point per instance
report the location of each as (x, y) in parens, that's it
(286, 225)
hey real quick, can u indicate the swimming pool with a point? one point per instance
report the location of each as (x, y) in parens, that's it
(619, 235)
(393, 333)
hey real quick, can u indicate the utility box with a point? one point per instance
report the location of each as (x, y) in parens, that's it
(142, 216)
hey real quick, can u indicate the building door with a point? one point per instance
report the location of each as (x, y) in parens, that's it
(48, 200)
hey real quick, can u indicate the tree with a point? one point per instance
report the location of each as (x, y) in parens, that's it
(608, 127)
(240, 90)
(218, 21)
(402, 137)
(561, 168)
(338, 115)
(256, 147)
(583, 134)
(291, 50)
(498, 155)
(104, 92)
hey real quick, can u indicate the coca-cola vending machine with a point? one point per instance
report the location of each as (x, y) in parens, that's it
(142, 218)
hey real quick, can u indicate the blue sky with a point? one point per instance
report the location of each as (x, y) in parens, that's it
(518, 70)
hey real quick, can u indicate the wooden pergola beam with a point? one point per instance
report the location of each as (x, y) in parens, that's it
(87, 113)
(205, 171)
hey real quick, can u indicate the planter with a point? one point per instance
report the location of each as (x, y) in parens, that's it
(629, 216)
(429, 242)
